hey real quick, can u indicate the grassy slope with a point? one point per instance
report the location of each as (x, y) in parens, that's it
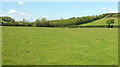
(59, 46)
(100, 22)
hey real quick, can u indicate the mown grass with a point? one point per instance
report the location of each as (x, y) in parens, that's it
(100, 22)
(59, 46)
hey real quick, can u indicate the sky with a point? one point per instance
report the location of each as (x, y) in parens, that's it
(56, 10)
(60, 0)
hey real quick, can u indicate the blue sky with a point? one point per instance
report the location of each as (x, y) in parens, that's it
(60, 0)
(56, 10)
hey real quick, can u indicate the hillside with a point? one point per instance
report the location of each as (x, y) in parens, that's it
(100, 22)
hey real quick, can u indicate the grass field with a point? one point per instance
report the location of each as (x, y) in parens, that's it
(59, 46)
(100, 22)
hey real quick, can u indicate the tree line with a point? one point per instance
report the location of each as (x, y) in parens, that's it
(71, 22)
(8, 21)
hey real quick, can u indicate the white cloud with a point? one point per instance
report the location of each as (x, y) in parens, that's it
(58, 18)
(45, 16)
(12, 11)
(21, 13)
(113, 11)
(12, 17)
(18, 19)
(66, 18)
(103, 8)
(29, 15)
(21, 3)
(18, 15)
(33, 19)
(4, 14)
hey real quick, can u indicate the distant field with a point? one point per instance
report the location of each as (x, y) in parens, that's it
(59, 46)
(100, 22)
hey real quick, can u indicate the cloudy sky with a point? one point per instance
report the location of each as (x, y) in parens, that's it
(56, 10)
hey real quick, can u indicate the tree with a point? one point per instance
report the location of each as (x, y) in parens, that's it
(36, 23)
(24, 20)
(109, 22)
(72, 18)
(12, 20)
(41, 23)
(43, 20)
(8, 19)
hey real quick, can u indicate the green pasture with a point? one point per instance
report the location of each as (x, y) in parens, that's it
(100, 22)
(59, 46)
